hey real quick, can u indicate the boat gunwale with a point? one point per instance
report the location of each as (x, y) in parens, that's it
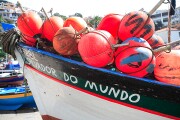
(143, 86)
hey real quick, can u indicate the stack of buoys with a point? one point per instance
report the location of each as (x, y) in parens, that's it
(167, 68)
(97, 47)
(66, 39)
(29, 23)
(136, 59)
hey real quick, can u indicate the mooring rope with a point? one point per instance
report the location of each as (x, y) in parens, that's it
(9, 40)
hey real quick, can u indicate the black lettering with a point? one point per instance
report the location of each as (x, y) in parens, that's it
(147, 28)
(137, 22)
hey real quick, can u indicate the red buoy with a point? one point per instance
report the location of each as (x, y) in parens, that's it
(65, 41)
(136, 59)
(136, 24)
(77, 23)
(167, 68)
(51, 26)
(155, 41)
(28, 40)
(96, 49)
(29, 23)
(111, 24)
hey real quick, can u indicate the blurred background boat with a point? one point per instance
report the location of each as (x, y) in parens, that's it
(13, 98)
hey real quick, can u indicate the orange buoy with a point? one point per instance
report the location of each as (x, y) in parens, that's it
(136, 24)
(155, 41)
(28, 40)
(167, 68)
(135, 61)
(133, 42)
(29, 23)
(111, 24)
(65, 41)
(95, 48)
(51, 26)
(77, 23)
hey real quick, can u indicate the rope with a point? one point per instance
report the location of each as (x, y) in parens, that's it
(24, 61)
(9, 41)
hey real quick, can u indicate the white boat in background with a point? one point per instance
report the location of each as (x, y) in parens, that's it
(11, 78)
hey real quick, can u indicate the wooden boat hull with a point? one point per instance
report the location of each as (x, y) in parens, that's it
(16, 98)
(67, 89)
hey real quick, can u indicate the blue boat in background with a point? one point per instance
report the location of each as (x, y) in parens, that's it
(13, 98)
(14, 65)
(13, 93)
(7, 26)
(10, 73)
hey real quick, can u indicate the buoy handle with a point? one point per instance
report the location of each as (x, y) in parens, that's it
(156, 7)
(167, 46)
(120, 45)
(82, 31)
(45, 13)
(163, 48)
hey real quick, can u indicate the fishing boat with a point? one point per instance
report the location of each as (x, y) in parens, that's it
(67, 89)
(14, 98)
(74, 90)
(7, 26)
(10, 73)
(13, 93)
(11, 78)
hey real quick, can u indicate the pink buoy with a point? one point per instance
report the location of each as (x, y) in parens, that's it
(136, 24)
(136, 59)
(111, 24)
(28, 40)
(51, 26)
(155, 41)
(96, 48)
(77, 23)
(29, 23)
(167, 68)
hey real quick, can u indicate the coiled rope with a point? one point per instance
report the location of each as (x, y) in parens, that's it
(8, 41)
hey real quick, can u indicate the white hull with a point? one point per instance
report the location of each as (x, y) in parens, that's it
(62, 101)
